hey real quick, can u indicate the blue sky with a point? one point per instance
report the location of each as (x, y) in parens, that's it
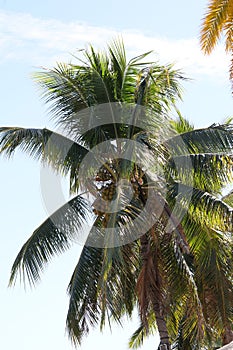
(34, 34)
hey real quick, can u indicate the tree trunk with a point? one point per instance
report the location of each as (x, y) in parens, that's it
(227, 336)
(153, 290)
(162, 328)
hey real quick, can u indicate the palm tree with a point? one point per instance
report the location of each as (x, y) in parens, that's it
(218, 20)
(144, 248)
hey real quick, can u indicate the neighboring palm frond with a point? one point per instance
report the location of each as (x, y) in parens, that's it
(218, 20)
(218, 14)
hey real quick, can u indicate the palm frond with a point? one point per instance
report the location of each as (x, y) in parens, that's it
(102, 286)
(214, 139)
(118, 60)
(228, 198)
(84, 311)
(52, 237)
(181, 125)
(214, 264)
(211, 263)
(65, 89)
(131, 75)
(141, 333)
(53, 148)
(213, 24)
(203, 206)
(228, 31)
(207, 171)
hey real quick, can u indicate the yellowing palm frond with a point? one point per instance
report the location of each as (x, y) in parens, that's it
(218, 20)
(213, 23)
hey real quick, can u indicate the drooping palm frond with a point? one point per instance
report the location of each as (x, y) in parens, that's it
(84, 311)
(215, 286)
(210, 261)
(214, 22)
(203, 206)
(56, 150)
(214, 139)
(102, 286)
(53, 148)
(64, 89)
(206, 171)
(210, 170)
(54, 236)
(218, 20)
(141, 333)
(189, 341)
(164, 84)
(117, 284)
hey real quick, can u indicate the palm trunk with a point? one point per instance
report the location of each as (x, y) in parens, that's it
(227, 336)
(153, 292)
(162, 328)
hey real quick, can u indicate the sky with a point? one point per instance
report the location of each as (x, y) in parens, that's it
(36, 34)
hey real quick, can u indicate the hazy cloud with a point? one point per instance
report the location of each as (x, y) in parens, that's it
(43, 42)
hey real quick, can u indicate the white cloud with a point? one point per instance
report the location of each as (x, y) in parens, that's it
(43, 42)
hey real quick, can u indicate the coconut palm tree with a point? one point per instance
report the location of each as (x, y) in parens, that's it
(217, 21)
(155, 196)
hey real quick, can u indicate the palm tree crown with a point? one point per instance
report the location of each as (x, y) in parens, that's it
(159, 231)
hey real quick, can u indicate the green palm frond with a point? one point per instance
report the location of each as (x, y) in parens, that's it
(182, 285)
(166, 83)
(181, 125)
(131, 74)
(207, 171)
(141, 333)
(106, 77)
(102, 286)
(211, 264)
(119, 62)
(57, 150)
(64, 88)
(228, 198)
(214, 264)
(184, 341)
(137, 337)
(54, 236)
(84, 311)
(117, 283)
(203, 206)
(214, 139)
